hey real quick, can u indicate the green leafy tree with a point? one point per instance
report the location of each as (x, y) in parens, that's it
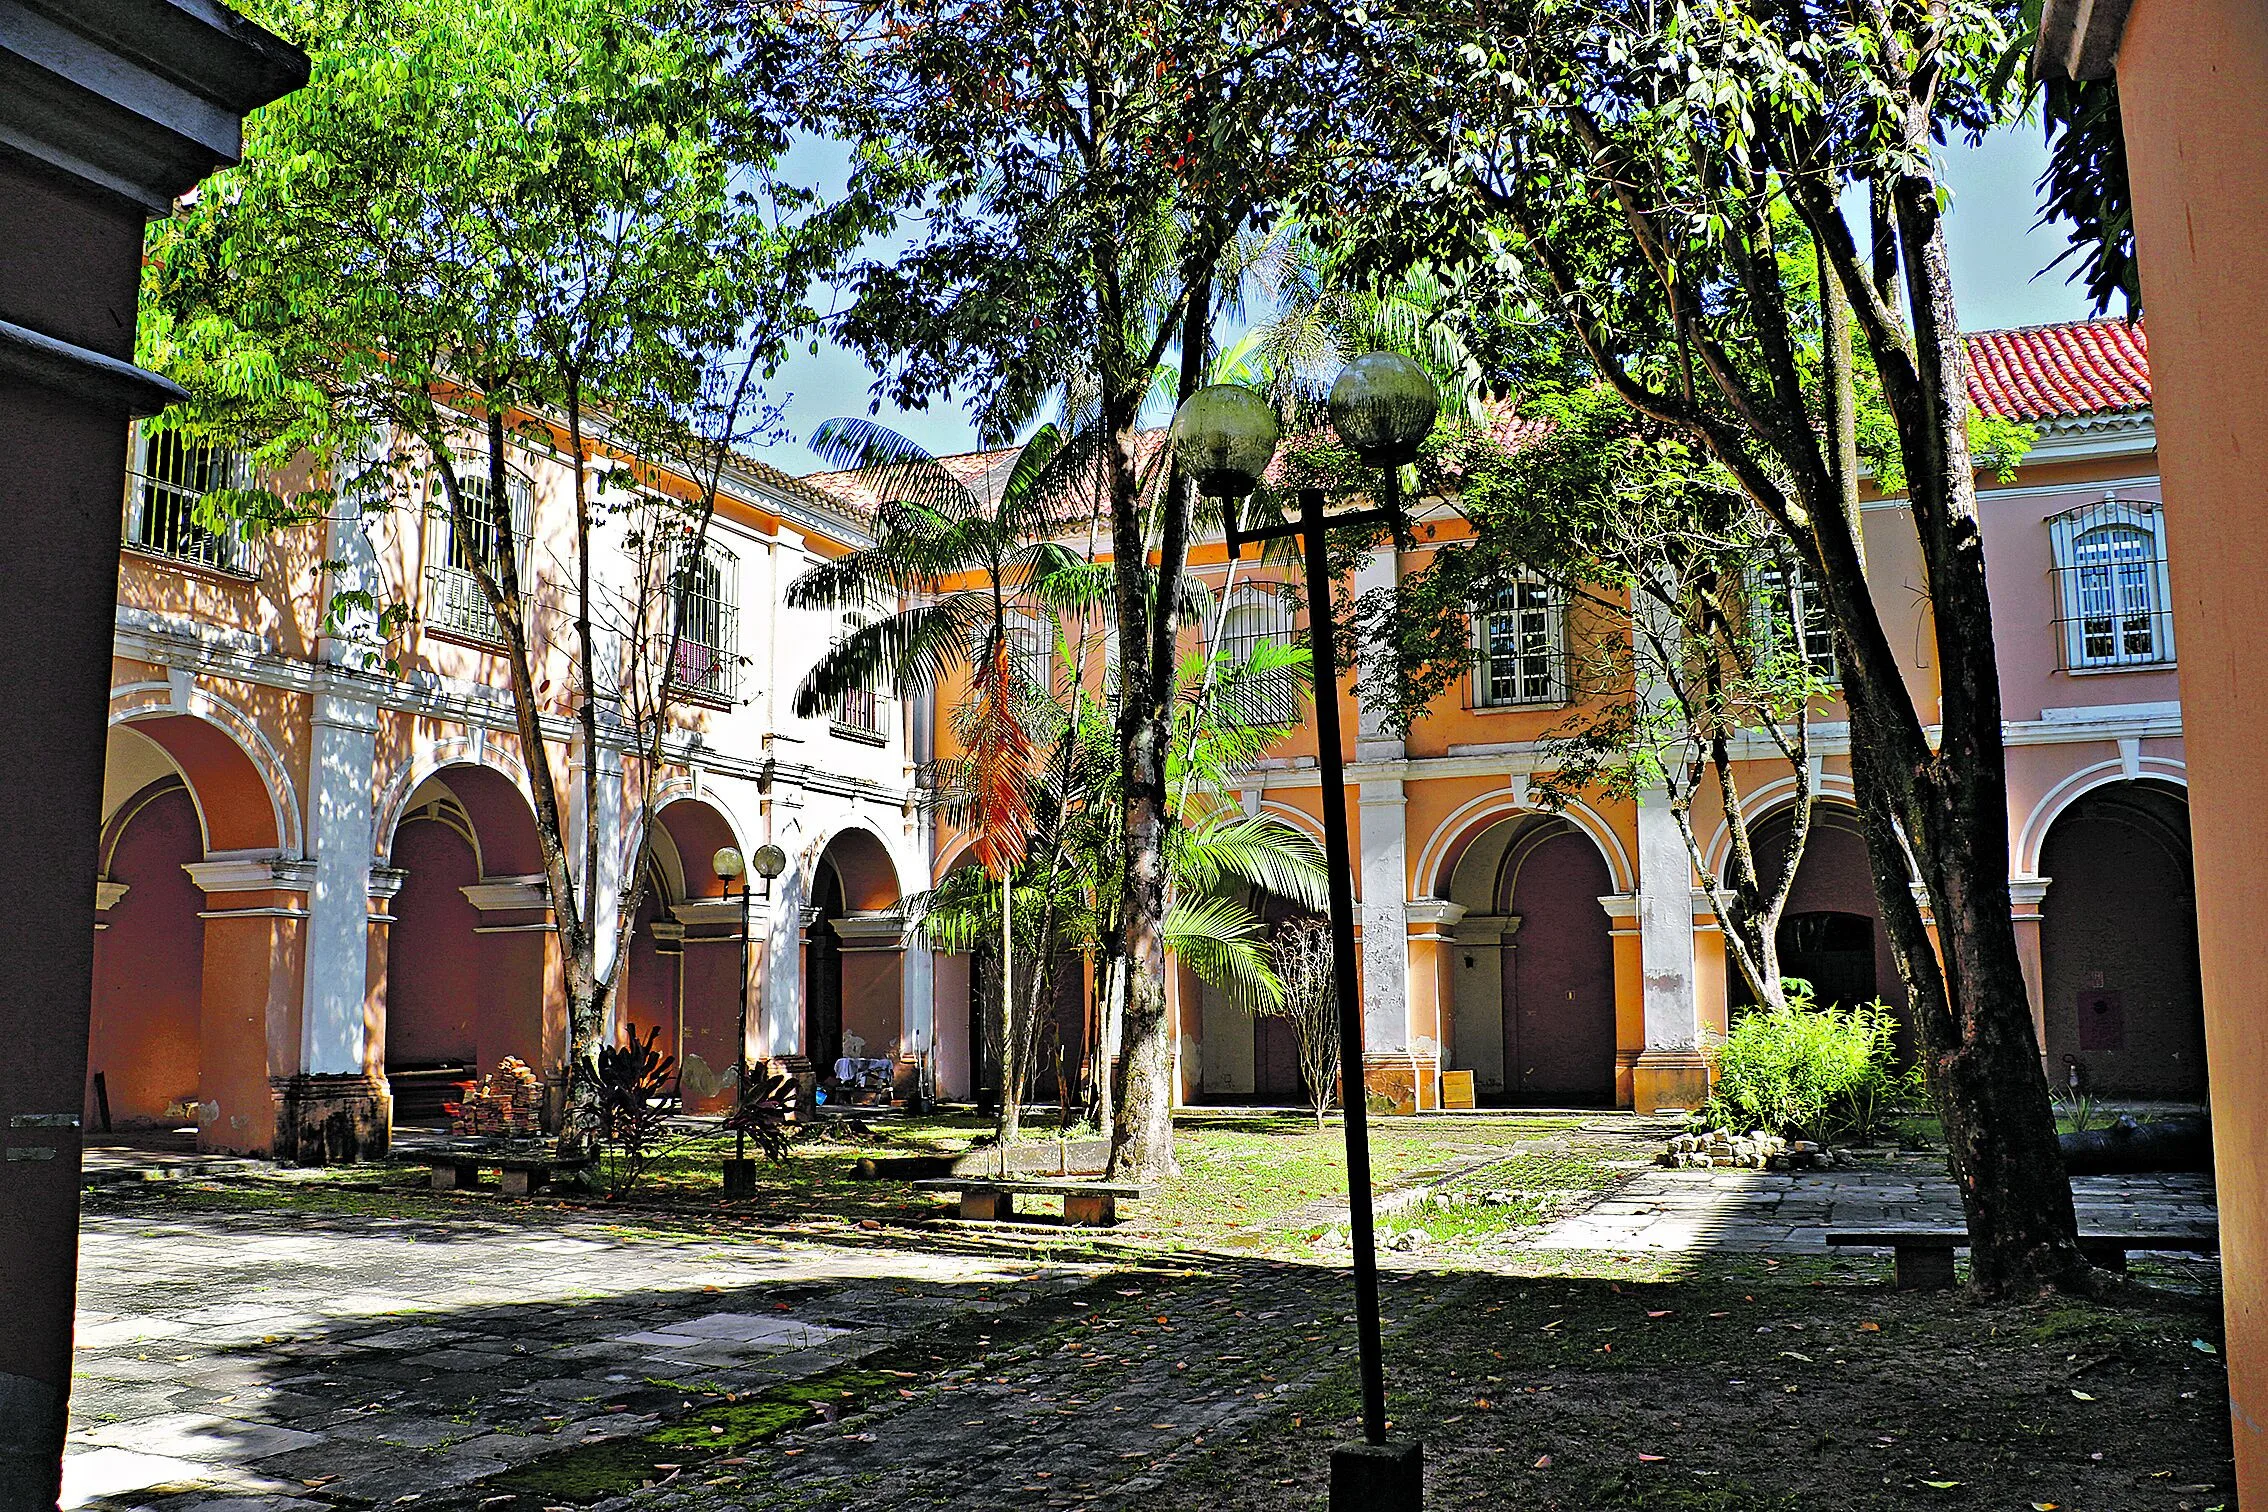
(486, 223)
(1649, 178)
(1084, 175)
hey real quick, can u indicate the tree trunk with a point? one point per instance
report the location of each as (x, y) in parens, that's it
(1010, 1125)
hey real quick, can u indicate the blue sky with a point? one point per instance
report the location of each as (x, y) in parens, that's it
(1996, 255)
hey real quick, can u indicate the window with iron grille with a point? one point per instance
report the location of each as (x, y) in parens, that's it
(2114, 606)
(857, 714)
(1520, 648)
(453, 600)
(1258, 617)
(1033, 645)
(1797, 617)
(171, 474)
(705, 613)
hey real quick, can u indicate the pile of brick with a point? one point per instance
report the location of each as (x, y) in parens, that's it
(507, 1104)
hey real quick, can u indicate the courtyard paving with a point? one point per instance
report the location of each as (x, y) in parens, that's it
(304, 1362)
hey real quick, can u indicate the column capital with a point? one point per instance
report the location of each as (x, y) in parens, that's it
(2027, 893)
(235, 874)
(507, 894)
(1433, 916)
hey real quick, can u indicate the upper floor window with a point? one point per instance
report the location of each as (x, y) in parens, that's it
(454, 600)
(857, 714)
(1793, 611)
(2114, 606)
(1032, 644)
(705, 621)
(1260, 616)
(171, 475)
(1519, 647)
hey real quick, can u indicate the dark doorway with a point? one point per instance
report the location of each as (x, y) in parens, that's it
(823, 974)
(1559, 973)
(1832, 951)
(2118, 944)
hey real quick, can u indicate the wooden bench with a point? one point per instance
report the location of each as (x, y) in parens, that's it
(517, 1175)
(994, 1197)
(1922, 1259)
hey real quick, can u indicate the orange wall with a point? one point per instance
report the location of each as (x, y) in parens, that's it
(2193, 87)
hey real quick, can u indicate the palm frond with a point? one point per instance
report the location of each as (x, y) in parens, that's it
(1224, 943)
(897, 468)
(1258, 850)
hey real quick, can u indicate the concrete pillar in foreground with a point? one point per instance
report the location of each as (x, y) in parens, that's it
(2193, 95)
(108, 110)
(1671, 1071)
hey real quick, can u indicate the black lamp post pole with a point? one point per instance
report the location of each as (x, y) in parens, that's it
(1344, 978)
(740, 1045)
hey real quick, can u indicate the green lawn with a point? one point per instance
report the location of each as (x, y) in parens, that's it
(1249, 1182)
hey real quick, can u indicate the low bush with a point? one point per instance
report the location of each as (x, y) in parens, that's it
(1808, 1072)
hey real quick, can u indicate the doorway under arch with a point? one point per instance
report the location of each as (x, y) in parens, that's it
(853, 963)
(2118, 944)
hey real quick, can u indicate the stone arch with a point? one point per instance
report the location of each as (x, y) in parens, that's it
(686, 950)
(247, 803)
(1444, 849)
(1831, 932)
(1758, 804)
(469, 966)
(2121, 995)
(475, 749)
(146, 1019)
(2032, 836)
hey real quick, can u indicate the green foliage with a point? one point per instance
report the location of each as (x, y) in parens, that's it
(635, 1096)
(1810, 1072)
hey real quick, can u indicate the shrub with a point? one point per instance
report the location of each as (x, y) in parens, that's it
(1808, 1072)
(637, 1096)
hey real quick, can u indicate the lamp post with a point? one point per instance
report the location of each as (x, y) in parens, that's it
(1382, 406)
(768, 862)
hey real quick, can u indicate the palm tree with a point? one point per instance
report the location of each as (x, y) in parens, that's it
(960, 569)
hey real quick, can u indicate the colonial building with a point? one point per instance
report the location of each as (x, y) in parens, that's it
(1568, 957)
(322, 899)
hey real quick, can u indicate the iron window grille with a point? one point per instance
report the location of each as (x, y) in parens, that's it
(857, 714)
(1520, 648)
(1810, 630)
(1033, 646)
(705, 613)
(170, 476)
(2114, 607)
(453, 600)
(1260, 616)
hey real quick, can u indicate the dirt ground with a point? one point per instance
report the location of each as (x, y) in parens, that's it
(1767, 1387)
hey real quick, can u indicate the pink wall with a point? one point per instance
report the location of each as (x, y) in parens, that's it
(712, 1015)
(433, 964)
(149, 964)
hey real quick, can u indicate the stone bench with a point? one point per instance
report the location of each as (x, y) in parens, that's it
(517, 1175)
(991, 1198)
(1922, 1259)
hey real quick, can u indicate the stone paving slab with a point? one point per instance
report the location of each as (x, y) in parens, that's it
(1701, 1211)
(233, 1360)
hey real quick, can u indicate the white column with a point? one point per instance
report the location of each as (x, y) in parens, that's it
(602, 903)
(1665, 926)
(338, 905)
(1373, 741)
(1385, 931)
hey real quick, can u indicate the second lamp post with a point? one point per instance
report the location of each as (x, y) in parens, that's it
(1382, 406)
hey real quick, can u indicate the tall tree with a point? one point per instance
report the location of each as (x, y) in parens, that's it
(1653, 176)
(1083, 169)
(476, 226)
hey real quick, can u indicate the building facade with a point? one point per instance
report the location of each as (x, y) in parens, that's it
(1569, 957)
(322, 901)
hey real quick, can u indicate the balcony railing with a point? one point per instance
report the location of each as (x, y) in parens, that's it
(455, 604)
(162, 519)
(705, 671)
(858, 716)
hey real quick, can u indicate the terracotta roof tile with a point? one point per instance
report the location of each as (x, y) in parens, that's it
(2056, 372)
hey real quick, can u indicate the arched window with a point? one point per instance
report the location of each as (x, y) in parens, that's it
(454, 601)
(2113, 599)
(171, 475)
(705, 619)
(1519, 647)
(1259, 616)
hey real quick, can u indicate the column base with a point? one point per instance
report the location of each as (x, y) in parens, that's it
(1406, 1083)
(1669, 1079)
(1388, 1477)
(332, 1120)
